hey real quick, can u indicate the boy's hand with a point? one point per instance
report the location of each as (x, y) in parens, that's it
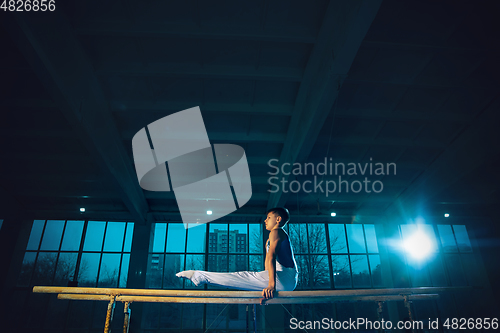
(267, 293)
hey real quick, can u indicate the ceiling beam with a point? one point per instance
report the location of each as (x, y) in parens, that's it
(343, 29)
(162, 30)
(48, 43)
(209, 108)
(195, 70)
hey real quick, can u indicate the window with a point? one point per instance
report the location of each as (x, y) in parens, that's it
(91, 253)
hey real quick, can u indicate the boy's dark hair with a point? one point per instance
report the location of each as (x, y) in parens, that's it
(282, 212)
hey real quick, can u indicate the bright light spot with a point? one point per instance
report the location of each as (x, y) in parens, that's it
(209, 212)
(82, 210)
(418, 245)
(333, 214)
(446, 215)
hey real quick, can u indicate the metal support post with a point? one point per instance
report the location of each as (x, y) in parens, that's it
(109, 314)
(126, 320)
(408, 306)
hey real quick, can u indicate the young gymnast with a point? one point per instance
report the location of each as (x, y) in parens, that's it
(280, 267)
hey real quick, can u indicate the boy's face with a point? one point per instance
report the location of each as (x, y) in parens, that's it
(272, 221)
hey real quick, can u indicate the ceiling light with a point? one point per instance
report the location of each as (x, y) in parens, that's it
(82, 210)
(333, 214)
(446, 215)
(209, 212)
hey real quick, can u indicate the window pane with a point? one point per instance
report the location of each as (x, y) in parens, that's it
(371, 238)
(455, 271)
(72, 236)
(360, 274)
(303, 269)
(66, 266)
(114, 236)
(256, 263)
(52, 235)
(298, 237)
(173, 263)
(320, 271)
(1, 223)
(195, 262)
(317, 238)
(128, 237)
(447, 239)
(94, 236)
(419, 276)
(338, 243)
(110, 268)
(462, 237)
(238, 263)
(87, 275)
(176, 238)
(436, 270)
(159, 237)
(124, 271)
(155, 271)
(44, 268)
(26, 269)
(217, 238)
(217, 263)
(355, 238)
(238, 240)
(255, 238)
(197, 239)
(341, 271)
(376, 270)
(36, 233)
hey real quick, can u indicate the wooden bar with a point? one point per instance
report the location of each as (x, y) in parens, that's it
(248, 300)
(240, 294)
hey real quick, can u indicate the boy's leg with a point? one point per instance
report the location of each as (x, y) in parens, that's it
(240, 280)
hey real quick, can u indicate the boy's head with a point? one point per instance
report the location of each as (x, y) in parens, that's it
(281, 214)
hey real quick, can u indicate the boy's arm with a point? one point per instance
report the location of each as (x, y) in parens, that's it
(274, 244)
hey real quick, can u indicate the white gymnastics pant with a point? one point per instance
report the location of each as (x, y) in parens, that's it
(286, 279)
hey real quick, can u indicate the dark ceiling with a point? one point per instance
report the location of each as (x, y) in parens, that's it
(413, 83)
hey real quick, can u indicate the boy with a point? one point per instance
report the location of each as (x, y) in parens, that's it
(280, 267)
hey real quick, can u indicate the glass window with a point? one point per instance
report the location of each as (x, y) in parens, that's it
(110, 267)
(65, 268)
(256, 263)
(94, 236)
(355, 238)
(455, 271)
(255, 238)
(196, 238)
(303, 268)
(447, 239)
(26, 269)
(176, 237)
(115, 232)
(217, 263)
(371, 238)
(341, 271)
(360, 272)
(238, 234)
(159, 237)
(376, 270)
(218, 238)
(36, 234)
(320, 271)
(72, 236)
(173, 263)
(436, 272)
(298, 237)
(462, 238)
(52, 236)
(44, 268)
(124, 270)
(338, 243)
(1, 223)
(87, 274)
(128, 237)
(317, 238)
